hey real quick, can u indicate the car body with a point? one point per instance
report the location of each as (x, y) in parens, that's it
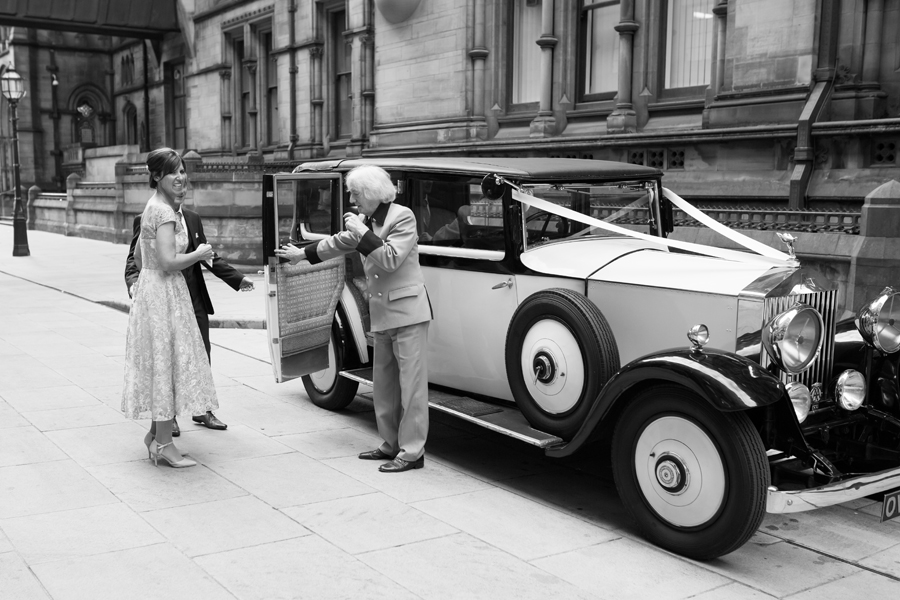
(566, 312)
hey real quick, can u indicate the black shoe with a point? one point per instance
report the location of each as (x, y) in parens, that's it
(176, 430)
(375, 454)
(210, 420)
(398, 465)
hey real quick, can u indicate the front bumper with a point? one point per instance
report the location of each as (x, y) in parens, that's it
(791, 501)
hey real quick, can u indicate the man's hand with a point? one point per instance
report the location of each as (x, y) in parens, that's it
(291, 252)
(131, 291)
(353, 223)
(246, 285)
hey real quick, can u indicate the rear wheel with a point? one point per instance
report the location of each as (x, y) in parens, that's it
(693, 478)
(326, 388)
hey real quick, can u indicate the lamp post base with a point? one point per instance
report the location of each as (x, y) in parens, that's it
(20, 238)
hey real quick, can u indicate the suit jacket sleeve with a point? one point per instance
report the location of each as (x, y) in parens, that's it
(390, 252)
(220, 268)
(336, 245)
(131, 270)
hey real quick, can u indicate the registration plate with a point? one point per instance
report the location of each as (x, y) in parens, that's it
(891, 506)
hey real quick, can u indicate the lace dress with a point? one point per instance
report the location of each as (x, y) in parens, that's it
(167, 371)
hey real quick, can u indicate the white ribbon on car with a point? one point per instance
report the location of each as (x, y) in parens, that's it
(765, 254)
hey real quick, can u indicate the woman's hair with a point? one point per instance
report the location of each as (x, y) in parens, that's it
(372, 183)
(162, 161)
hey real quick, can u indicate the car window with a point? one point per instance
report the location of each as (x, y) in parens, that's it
(305, 208)
(626, 205)
(453, 213)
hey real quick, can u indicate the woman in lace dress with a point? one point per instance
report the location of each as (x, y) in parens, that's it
(167, 373)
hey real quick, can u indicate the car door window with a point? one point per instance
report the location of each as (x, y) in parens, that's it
(451, 213)
(306, 208)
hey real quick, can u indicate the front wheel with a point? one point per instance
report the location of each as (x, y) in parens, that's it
(693, 478)
(326, 388)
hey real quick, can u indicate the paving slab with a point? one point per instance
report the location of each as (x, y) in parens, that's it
(76, 533)
(512, 523)
(369, 522)
(461, 566)
(623, 569)
(157, 571)
(43, 487)
(222, 525)
(301, 568)
(17, 581)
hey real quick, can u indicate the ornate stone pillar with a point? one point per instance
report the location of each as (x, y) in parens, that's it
(872, 48)
(253, 111)
(478, 55)
(368, 89)
(718, 79)
(226, 96)
(544, 125)
(623, 119)
(315, 94)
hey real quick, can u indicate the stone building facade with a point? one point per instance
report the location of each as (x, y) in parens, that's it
(792, 103)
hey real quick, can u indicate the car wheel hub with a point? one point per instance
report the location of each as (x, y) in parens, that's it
(679, 471)
(672, 474)
(552, 366)
(544, 367)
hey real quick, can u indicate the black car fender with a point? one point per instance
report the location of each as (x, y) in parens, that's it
(727, 381)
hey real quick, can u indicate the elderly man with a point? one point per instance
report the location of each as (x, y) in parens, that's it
(384, 234)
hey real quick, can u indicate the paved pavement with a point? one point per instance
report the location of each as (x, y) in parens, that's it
(280, 507)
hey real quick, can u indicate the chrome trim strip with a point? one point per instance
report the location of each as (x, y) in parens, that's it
(784, 501)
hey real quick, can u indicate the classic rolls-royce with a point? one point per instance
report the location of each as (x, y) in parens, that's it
(565, 313)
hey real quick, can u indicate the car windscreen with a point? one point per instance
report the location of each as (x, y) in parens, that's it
(629, 205)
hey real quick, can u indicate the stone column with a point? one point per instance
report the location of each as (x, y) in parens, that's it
(315, 94)
(623, 119)
(544, 125)
(253, 111)
(225, 103)
(873, 263)
(478, 54)
(718, 79)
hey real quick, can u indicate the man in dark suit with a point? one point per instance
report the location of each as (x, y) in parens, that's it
(193, 276)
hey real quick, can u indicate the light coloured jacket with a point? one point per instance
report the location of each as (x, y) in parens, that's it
(390, 257)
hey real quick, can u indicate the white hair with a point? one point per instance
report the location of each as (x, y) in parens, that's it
(372, 183)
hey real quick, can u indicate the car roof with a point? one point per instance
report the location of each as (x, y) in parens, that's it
(518, 168)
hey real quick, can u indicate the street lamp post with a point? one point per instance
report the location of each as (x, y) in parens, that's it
(13, 89)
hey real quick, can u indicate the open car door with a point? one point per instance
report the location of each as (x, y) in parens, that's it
(300, 299)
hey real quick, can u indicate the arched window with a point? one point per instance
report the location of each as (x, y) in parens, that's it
(84, 123)
(129, 116)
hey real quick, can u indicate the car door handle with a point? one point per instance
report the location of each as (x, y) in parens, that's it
(507, 283)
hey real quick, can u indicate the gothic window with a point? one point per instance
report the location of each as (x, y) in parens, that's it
(688, 48)
(84, 122)
(176, 105)
(525, 54)
(598, 50)
(129, 116)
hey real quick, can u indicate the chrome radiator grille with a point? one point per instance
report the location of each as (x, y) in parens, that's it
(826, 304)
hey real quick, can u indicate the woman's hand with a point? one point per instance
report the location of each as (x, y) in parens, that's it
(291, 252)
(204, 252)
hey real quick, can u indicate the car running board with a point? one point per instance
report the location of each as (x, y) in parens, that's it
(502, 419)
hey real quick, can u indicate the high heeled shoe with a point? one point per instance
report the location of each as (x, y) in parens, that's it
(148, 439)
(178, 464)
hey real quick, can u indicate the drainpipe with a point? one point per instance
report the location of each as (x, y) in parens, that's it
(292, 32)
(804, 153)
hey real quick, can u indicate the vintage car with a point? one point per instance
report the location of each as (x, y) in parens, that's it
(565, 312)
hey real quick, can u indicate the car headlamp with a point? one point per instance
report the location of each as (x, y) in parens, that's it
(879, 321)
(794, 337)
(850, 390)
(800, 399)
